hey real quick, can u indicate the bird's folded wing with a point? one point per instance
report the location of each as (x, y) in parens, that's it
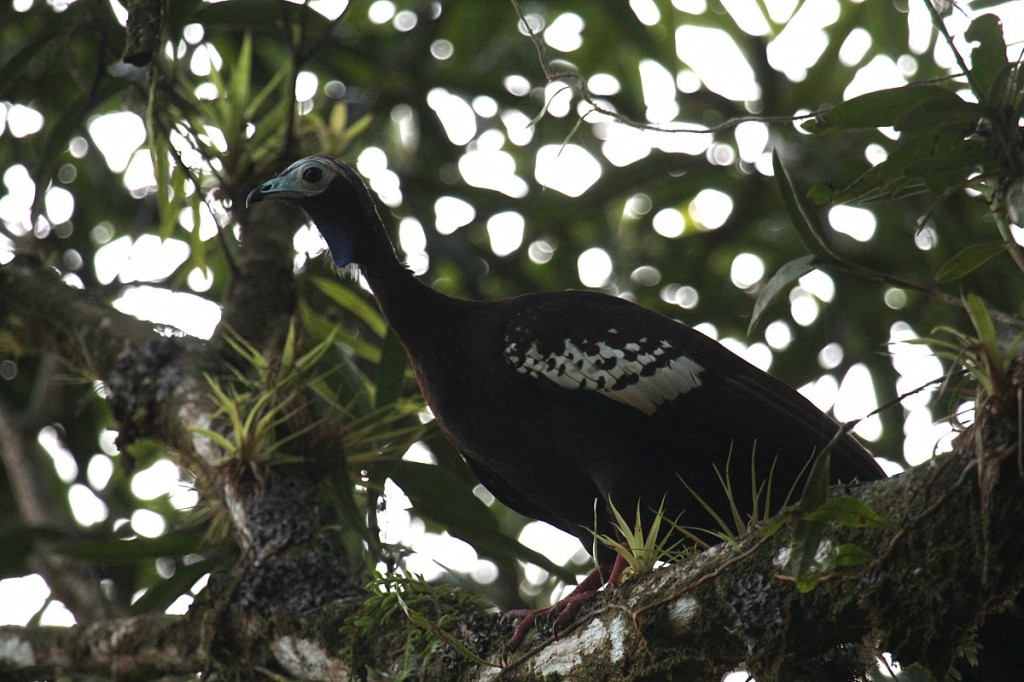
(601, 345)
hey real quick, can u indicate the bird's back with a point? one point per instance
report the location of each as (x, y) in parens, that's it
(562, 401)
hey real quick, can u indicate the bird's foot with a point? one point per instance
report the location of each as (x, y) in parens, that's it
(557, 616)
(553, 618)
(561, 614)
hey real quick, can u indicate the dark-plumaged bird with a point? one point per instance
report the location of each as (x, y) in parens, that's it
(565, 402)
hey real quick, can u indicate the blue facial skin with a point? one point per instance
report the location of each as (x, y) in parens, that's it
(338, 242)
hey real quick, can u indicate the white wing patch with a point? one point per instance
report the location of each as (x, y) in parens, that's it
(642, 374)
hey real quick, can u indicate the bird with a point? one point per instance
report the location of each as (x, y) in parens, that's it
(566, 404)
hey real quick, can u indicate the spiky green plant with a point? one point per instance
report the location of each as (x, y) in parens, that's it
(253, 405)
(982, 357)
(642, 548)
(667, 540)
(287, 407)
(761, 506)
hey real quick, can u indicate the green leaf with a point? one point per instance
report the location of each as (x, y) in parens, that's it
(163, 594)
(56, 142)
(786, 275)
(849, 512)
(15, 69)
(815, 492)
(933, 153)
(823, 195)
(18, 544)
(322, 328)
(808, 532)
(986, 330)
(932, 116)
(438, 495)
(270, 129)
(314, 355)
(849, 554)
(920, 163)
(989, 66)
(288, 349)
(968, 260)
(803, 217)
(253, 105)
(256, 15)
(807, 582)
(197, 247)
(117, 551)
(144, 452)
(353, 302)
(390, 371)
(170, 184)
(891, 108)
(241, 72)
(217, 439)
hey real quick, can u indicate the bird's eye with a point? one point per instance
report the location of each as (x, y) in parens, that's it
(313, 175)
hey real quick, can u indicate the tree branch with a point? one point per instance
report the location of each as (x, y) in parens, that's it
(42, 313)
(948, 561)
(126, 649)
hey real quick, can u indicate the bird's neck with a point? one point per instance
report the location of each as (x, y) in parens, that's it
(416, 313)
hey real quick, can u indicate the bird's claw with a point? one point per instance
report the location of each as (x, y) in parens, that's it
(527, 621)
(550, 620)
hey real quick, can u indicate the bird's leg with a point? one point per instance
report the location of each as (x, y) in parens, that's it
(618, 568)
(565, 608)
(571, 603)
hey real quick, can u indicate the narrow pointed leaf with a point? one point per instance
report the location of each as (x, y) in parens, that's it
(197, 247)
(438, 495)
(968, 260)
(804, 219)
(252, 106)
(19, 543)
(808, 532)
(785, 276)
(288, 351)
(983, 326)
(889, 108)
(117, 551)
(15, 66)
(352, 302)
(241, 73)
(163, 594)
(989, 66)
(849, 512)
(390, 370)
(921, 163)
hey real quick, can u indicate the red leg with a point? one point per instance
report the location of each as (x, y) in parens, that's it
(618, 568)
(564, 609)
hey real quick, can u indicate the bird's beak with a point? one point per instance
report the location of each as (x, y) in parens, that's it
(275, 188)
(254, 196)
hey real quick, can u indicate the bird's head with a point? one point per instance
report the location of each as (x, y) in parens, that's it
(336, 199)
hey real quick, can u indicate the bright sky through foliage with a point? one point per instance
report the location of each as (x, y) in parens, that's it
(708, 57)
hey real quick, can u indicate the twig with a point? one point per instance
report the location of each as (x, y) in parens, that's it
(579, 85)
(940, 26)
